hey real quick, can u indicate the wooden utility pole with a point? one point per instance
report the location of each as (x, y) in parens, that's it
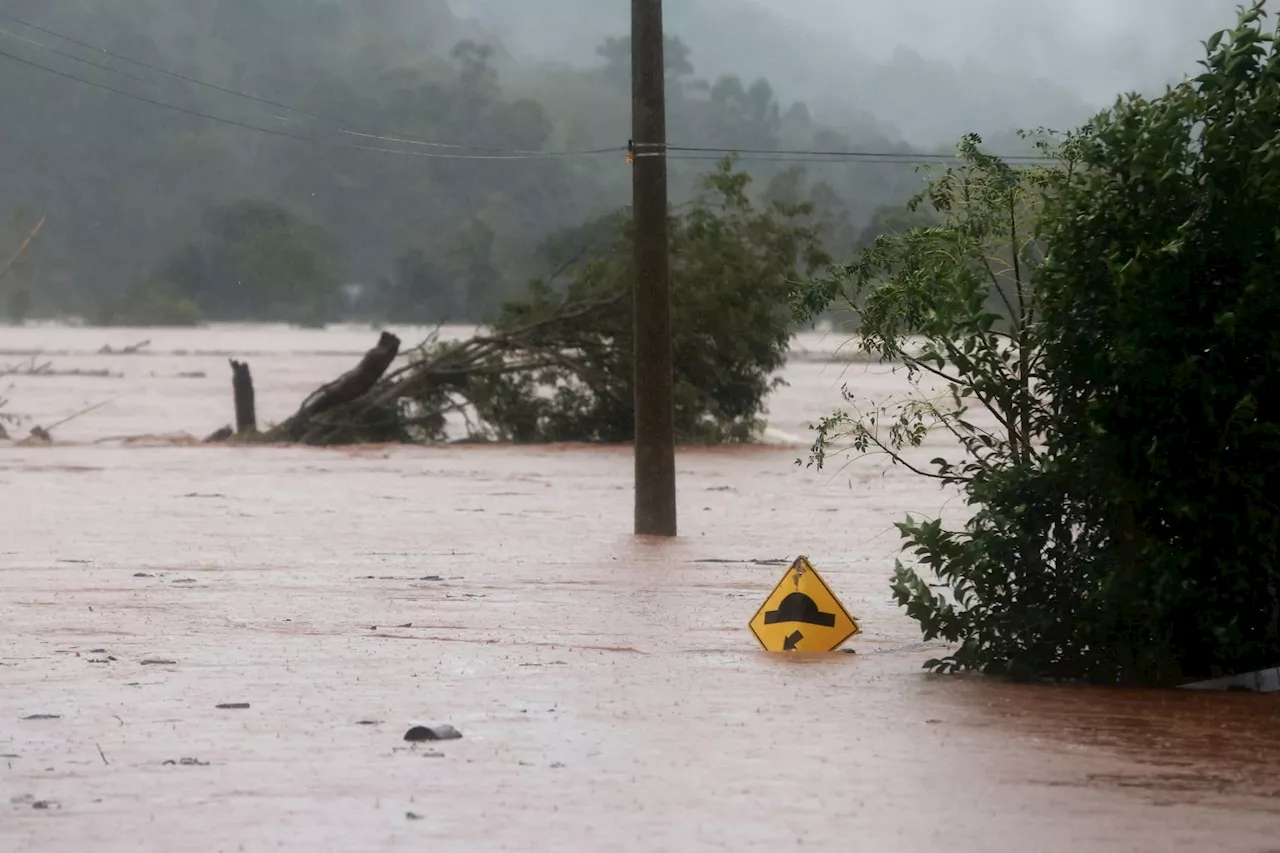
(655, 421)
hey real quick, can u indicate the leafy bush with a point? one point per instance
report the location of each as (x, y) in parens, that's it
(258, 261)
(148, 304)
(1162, 356)
(1116, 317)
(955, 303)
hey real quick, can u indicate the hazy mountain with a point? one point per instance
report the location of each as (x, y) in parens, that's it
(932, 69)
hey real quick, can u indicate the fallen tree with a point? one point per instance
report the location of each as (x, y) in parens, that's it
(557, 365)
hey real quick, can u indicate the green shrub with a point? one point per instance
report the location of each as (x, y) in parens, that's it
(1118, 316)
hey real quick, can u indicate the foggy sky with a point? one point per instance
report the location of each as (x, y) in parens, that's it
(993, 65)
(1096, 48)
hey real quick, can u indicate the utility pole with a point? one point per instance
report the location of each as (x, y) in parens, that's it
(655, 419)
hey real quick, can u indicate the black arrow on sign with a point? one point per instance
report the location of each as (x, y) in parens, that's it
(789, 644)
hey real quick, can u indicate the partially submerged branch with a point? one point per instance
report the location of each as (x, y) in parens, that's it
(310, 421)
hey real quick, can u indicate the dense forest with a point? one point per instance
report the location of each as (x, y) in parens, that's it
(370, 174)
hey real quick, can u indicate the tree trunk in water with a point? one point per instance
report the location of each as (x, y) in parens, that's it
(242, 386)
(347, 388)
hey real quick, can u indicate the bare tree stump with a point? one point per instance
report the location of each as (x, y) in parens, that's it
(242, 386)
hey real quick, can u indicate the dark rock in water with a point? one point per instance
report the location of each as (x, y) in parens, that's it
(420, 733)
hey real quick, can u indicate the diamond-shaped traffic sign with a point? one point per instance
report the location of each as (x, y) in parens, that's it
(802, 614)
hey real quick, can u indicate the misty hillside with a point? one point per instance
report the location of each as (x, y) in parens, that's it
(384, 143)
(931, 69)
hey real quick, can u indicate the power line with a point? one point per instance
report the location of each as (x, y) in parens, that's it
(818, 156)
(71, 55)
(404, 138)
(297, 136)
(786, 157)
(480, 152)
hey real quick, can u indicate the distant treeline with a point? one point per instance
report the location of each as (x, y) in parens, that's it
(156, 215)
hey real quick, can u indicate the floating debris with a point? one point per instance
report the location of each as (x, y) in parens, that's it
(421, 733)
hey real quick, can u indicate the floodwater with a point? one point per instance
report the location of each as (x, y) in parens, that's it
(609, 693)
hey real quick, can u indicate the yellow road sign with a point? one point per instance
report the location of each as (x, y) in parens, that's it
(802, 614)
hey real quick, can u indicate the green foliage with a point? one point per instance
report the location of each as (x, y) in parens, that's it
(732, 267)
(418, 292)
(148, 304)
(955, 303)
(258, 261)
(18, 306)
(1119, 464)
(1162, 357)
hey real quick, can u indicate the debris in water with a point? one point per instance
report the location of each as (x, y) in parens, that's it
(159, 662)
(44, 717)
(142, 575)
(234, 706)
(412, 816)
(186, 762)
(369, 722)
(421, 733)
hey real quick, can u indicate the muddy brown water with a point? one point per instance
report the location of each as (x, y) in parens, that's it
(608, 691)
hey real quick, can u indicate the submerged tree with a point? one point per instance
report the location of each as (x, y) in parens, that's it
(557, 365)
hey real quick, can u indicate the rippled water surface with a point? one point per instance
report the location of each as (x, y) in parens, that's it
(609, 693)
